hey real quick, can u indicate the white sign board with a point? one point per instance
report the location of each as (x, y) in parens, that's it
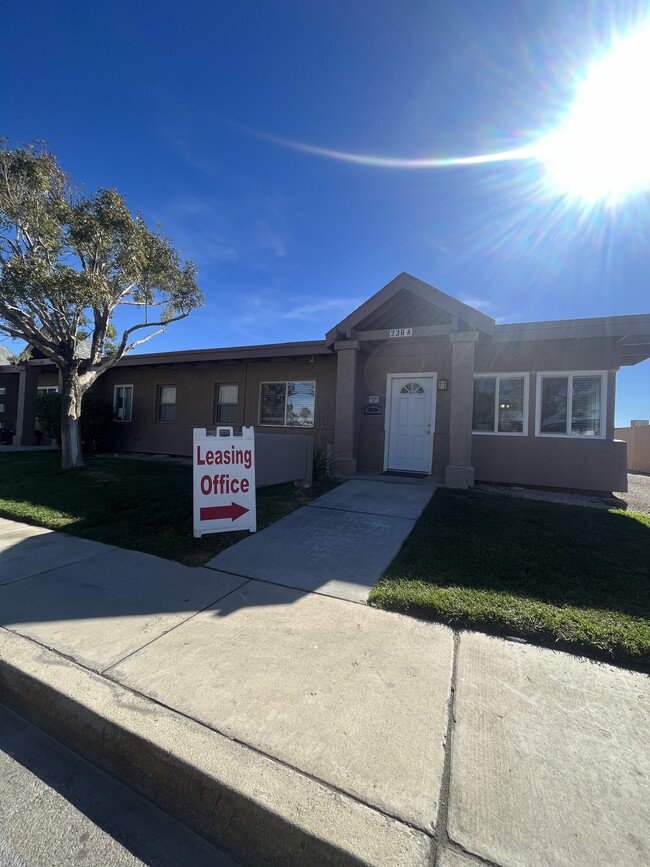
(400, 332)
(224, 481)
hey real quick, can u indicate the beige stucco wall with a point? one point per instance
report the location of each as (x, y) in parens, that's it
(9, 381)
(565, 462)
(195, 401)
(376, 361)
(638, 447)
(547, 355)
(584, 464)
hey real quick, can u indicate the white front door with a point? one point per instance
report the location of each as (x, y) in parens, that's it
(410, 422)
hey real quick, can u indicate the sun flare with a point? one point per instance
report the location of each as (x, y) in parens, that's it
(601, 150)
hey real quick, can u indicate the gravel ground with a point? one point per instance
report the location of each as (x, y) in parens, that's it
(638, 493)
(637, 498)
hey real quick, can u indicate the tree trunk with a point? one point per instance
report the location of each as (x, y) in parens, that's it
(71, 394)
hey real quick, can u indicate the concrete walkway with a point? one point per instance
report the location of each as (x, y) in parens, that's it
(301, 727)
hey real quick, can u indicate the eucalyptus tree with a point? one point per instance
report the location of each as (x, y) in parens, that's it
(68, 262)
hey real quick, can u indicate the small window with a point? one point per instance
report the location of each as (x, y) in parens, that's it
(227, 394)
(123, 402)
(500, 404)
(2, 407)
(3, 390)
(571, 404)
(412, 388)
(48, 389)
(287, 404)
(166, 403)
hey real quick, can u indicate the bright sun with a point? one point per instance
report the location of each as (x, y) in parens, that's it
(601, 150)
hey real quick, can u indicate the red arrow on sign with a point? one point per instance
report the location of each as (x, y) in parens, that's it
(215, 513)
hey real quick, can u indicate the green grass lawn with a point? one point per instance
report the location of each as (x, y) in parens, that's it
(139, 504)
(564, 576)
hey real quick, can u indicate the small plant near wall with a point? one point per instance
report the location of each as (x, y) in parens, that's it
(96, 415)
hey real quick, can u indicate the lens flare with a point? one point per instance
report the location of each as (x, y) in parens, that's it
(387, 162)
(599, 150)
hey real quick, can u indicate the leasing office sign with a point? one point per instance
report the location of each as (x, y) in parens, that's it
(224, 481)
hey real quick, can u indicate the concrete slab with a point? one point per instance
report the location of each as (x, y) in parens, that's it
(376, 498)
(10, 536)
(350, 695)
(235, 797)
(451, 858)
(31, 551)
(550, 763)
(7, 526)
(336, 553)
(97, 611)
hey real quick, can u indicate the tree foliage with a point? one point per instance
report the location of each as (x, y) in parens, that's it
(68, 262)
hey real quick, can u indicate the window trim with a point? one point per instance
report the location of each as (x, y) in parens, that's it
(115, 388)
(217, 403)
(504, 375)
(286, 383)
(570, 374)
(159, 404)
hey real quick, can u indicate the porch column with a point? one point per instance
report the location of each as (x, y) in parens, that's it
(460, 472)
(26, 415)
(343, 457)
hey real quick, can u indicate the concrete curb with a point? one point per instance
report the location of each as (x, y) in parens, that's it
(259, 809)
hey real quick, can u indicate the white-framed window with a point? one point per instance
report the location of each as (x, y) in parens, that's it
(500, 404)
(226, 395)
(47, 389)
(166, 403)
(287, 404)
(571, 404)
(123, 402)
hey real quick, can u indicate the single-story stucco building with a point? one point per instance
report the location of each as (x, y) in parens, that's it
(412, 381)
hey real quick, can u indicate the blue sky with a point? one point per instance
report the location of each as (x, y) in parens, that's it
(158, 100)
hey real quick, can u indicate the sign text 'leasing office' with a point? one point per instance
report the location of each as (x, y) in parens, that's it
(224, 481)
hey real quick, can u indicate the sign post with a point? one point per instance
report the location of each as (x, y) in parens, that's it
(224, 481)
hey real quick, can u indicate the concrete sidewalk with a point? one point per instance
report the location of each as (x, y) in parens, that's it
(299, 727)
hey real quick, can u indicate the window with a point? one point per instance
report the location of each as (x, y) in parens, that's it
(48, 389)
(287, 404)
(123, 402)
(571, 404)
(412, 388)
(166, 402)
(501, 403)
(225, 411)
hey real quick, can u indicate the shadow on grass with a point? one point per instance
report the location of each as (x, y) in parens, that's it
(568, 576)
(142, 505)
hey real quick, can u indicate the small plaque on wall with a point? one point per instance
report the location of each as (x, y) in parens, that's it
(400, 332)
(373, 409)
(373, 398)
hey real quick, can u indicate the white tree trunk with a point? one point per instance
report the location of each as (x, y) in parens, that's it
(71, 394)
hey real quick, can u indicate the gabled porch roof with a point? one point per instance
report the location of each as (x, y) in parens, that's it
(422, 292)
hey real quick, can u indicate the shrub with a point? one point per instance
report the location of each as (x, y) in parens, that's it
(95, 417)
